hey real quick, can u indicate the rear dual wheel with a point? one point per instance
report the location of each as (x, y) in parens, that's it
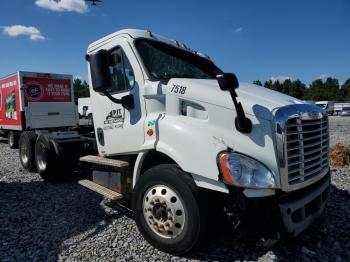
(54, 164)
(45, 158)
(26, 150)
(43, 155)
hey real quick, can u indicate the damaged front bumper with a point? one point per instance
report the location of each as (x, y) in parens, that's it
(301, 208)
(289, 212)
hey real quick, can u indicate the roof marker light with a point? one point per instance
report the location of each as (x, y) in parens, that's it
(184, 46)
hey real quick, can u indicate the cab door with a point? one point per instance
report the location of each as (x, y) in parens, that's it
(119, 130)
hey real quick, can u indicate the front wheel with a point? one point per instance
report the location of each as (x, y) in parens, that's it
(168, 210)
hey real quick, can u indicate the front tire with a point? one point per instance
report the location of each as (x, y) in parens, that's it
(27, 150)
(168, 209)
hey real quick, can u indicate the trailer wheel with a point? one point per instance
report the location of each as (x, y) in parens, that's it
(27, 150)
(13, 140)
(168, 210)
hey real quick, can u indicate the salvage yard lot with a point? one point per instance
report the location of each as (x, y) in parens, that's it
(48, 222)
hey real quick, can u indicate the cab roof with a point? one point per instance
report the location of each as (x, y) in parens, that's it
(138, 33)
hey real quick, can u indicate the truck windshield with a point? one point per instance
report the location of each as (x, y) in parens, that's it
(164, 61)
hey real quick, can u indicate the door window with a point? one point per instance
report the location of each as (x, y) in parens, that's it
(122, 75)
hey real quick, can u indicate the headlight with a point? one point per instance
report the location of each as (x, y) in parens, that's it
(242, 171)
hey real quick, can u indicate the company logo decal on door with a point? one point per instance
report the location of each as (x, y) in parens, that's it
(115, 119)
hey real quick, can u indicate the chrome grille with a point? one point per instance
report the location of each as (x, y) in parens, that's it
(307, 148)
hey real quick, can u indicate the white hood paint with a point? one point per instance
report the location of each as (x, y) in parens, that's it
(256, 100)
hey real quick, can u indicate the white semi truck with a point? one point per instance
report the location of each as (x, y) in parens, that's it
(181, 139)
(328, 106)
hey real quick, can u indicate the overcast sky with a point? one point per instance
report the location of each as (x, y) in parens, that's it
(270, 39)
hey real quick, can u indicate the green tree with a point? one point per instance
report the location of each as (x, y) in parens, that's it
(316, 91)
(286, 87)
(268, 84)
(332, 89)
(257, 82)
(345, 90)
(81, 89)
(297, 89)
(277, 86)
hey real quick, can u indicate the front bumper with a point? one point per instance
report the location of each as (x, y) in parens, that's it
(300, 209)
(290, 212)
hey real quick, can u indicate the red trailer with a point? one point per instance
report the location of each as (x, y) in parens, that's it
(36, 101)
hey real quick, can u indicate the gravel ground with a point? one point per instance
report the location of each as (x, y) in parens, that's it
(46, 222)
(339, 129)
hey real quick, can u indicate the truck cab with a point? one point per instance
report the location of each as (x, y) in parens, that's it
(187, 128)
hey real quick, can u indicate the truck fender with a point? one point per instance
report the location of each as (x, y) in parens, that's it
(137, 168)
(199, 180)
(55, 146)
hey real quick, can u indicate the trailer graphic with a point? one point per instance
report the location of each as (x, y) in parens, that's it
(48, 90)
(33, 91)
(0, 99)
(11, 106)
(10, 117)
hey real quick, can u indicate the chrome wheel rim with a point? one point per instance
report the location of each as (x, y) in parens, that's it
(164, 211)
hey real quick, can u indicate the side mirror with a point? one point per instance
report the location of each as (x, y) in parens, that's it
(227, 81)
(99, 69)
(128, 102)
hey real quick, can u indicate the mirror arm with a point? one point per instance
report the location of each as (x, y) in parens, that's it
(126, 101)
(242, 123)
(229, 82)
(110, 97)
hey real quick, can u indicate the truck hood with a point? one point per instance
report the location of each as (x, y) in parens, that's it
(256, 100)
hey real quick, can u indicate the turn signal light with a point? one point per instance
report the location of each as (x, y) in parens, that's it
(226, 174)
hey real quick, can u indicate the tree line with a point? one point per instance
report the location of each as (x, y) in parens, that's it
(81, 89)
(318, 90)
